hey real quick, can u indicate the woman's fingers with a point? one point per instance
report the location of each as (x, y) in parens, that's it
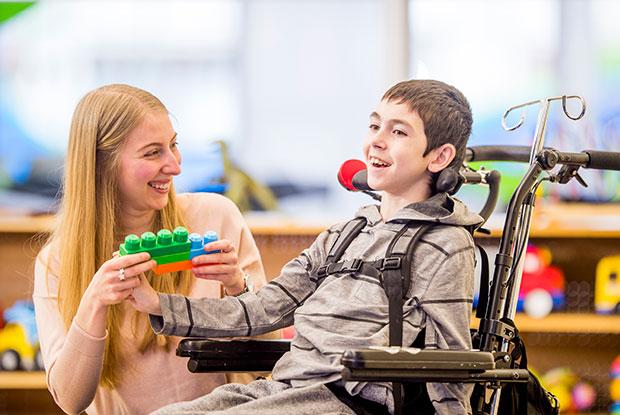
(127, 261)
(220, 258)
(214, 269)
(215, 277)
(223, 245)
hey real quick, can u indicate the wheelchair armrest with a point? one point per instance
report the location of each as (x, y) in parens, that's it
(208, 355)
(408, 364)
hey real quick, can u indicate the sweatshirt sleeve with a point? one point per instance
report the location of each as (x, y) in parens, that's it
(270, 308)
(447, 305)
(73, 359)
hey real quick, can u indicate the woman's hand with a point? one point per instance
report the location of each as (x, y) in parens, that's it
(222, 266)
(144, 298)
(116, 279)
(111, 284)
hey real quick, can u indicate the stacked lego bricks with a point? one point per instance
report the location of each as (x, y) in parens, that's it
(173, 251)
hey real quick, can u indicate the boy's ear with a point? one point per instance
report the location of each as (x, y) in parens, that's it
(441, 157)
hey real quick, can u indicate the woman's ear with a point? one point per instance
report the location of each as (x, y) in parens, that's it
(441, 157)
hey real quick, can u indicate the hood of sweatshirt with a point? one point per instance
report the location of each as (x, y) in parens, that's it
(439, 208)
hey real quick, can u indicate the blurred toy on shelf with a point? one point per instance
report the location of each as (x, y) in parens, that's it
(614, 386)
(173, 251)
(19, 340)
(542, 285)
(573, 394)
(607, 286)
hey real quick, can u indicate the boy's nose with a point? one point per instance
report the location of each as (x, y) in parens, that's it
(378, 140)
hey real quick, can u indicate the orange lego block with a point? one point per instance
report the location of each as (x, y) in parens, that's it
(172, 267)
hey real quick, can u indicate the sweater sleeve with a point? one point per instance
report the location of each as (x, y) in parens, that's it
(73, 359)
(270, 308)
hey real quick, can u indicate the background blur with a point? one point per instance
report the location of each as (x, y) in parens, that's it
(288, 85)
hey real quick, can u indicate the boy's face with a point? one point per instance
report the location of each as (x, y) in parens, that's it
(393, 150)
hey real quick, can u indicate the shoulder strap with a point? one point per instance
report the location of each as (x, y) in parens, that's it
(394, 282)
(350, 231)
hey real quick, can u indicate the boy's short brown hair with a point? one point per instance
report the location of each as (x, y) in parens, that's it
(443, 109)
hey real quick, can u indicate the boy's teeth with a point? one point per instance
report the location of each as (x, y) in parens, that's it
(378, 163)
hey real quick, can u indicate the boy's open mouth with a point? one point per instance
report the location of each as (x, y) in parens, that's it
(377, 162)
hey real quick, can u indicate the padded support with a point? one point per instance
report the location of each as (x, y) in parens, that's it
(407, 364)
(208, 355)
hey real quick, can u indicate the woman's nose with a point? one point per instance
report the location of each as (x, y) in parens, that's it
(173, 164)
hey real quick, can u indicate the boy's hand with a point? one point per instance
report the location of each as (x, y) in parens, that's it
(144, 298)
(222, 266)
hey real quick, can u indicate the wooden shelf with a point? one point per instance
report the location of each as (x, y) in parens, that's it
(566, 323)
(22, 380)
(549, 221)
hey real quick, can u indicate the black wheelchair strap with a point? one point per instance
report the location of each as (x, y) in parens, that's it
(396, 284)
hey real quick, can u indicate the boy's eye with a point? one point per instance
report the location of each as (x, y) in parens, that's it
(400, 132)
(373, 127)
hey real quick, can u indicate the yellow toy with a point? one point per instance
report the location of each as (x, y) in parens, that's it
(607, 288)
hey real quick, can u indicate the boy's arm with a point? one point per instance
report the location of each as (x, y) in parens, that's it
(271, 308)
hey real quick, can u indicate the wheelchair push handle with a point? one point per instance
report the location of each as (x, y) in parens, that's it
(589, 159)
(603, 160)
(498, 153)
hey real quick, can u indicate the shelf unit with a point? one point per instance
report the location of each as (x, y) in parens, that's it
(577, 235)
(22, 380)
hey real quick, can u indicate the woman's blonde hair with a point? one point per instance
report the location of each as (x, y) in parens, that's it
(87, 231)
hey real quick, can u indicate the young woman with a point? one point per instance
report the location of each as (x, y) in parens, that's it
(100, 355)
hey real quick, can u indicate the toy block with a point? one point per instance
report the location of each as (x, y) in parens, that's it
(172, 267)
(172, 251)
(167, 259)
(165, 243)
(198, 242)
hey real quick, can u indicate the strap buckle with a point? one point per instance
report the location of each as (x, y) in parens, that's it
(322, 271)
(353, 266)
(390, 263)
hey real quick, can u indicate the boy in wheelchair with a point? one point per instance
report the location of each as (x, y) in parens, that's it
(335, 291)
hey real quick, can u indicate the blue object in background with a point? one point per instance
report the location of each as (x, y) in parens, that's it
(17, 149)
(22, 313)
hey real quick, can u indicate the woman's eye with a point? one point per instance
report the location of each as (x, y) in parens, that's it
(373, 127)
(152, 153)
(399, 132)
(174, 144)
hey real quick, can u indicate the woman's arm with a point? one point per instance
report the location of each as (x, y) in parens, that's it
(73, 358)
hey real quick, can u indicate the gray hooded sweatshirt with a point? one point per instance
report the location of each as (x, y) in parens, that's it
(347, 311)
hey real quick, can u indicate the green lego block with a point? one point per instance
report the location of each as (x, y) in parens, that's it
(165, 243)
(167, 259)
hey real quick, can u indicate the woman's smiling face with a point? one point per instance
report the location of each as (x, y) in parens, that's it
(149, 160)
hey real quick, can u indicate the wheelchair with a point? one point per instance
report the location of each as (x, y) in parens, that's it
(498, 364)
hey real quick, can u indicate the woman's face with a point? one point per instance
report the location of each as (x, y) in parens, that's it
(148, 161)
